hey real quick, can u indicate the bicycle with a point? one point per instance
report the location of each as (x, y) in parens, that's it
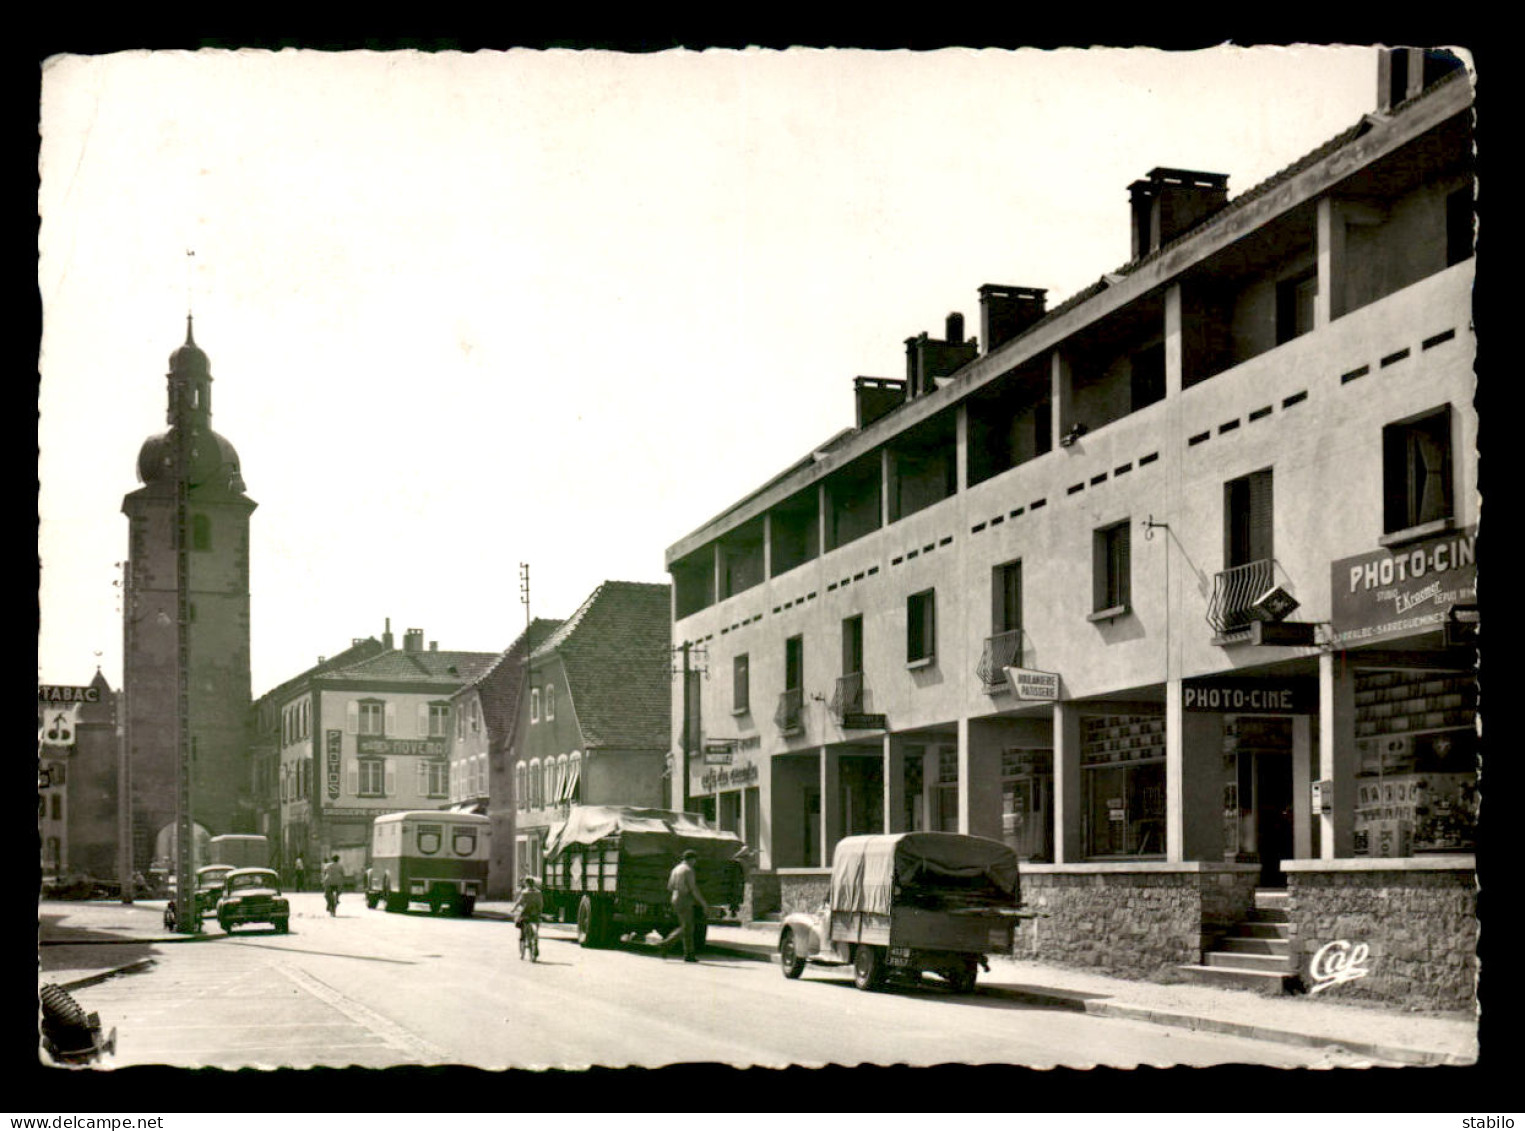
(529, 940)
(331, 895)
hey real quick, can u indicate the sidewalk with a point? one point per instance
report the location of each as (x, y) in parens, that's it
(1381, 1034)
(81, 943)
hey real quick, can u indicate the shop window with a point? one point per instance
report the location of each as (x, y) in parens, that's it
(1122, 762)
(1027, 802)
(1416, 771)
(741, 686)
(1295, 299)
(1416, 471)
(1110, 569)
(945, 794)
(921, 627)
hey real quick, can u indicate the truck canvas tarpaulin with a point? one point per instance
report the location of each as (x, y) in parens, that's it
(644, 832)
(872, 873)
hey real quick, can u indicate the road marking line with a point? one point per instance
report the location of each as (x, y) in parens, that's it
(366, 1017)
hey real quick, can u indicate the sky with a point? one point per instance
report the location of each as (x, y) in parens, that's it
(468, 311)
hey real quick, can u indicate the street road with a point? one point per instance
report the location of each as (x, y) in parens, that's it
(374, 989)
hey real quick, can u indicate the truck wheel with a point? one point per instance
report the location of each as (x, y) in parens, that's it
(395, 902)
(588, 934)
(963, 980)
(868, 971)
(466, 906)
(789, 956)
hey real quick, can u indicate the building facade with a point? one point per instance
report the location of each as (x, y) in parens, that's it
(216, 632)
(1172, 587)
(78, 755)
(362, 738)
(593, 726)
(486, 713)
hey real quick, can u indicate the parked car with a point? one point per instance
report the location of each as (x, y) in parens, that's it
(906, 904)
(209, 881)
(252, 895)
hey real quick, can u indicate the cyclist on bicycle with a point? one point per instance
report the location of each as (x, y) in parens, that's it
(333, 881)
(527, 911)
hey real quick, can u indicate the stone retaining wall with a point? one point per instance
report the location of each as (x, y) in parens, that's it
(761, 898)
(1419, 927)
(1135, 924)
(802, 892)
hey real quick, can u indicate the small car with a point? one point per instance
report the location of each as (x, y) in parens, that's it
(209, 881)
(252, 895)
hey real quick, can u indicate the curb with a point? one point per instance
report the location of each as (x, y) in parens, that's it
(96, 979)
(1427, 1058)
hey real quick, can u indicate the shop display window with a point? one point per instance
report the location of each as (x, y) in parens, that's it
(1027, 802)
(1122, 763)
(1416, 770)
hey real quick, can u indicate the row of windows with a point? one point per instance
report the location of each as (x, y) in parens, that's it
(469, 718)
(296, 722)
(557, 781)
(1417, 468)
(368, 777)
(378, 717)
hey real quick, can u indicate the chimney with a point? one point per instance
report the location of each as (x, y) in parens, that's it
(413, 640)
(876, 397)
(1404, 72)
(1006, 312)
(927, 359)
(386, 637)
(434, 645)
(1171, 202)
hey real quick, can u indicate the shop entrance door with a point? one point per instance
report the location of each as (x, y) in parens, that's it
(1273, 814)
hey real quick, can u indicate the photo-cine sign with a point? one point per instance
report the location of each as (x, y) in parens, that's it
(1034, 686)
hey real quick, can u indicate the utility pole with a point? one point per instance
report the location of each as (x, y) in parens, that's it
(691, 665)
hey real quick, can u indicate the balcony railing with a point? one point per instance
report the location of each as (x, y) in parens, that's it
(848, 698)
(790, 715)
(1002, 651)
(1235, 592)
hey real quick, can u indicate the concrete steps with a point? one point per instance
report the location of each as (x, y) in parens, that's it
(1256, 955)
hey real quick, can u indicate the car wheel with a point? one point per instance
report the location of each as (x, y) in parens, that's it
(868, 971)
(282, 926)
(789, 955)
(226, 924)
(963, 980)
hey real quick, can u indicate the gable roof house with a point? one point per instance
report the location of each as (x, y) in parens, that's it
(596, 727)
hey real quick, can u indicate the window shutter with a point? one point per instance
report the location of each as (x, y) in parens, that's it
(423, 720)
(391, 714)
(422, 784)
(1261, 546)
(352, 777)
(352, 717)
(390, 788)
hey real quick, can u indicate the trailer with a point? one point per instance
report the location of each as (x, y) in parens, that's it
(606, 868)
(239, 851)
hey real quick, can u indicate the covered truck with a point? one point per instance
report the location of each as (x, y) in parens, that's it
(239, 850)
(904, 904)
(606, 866)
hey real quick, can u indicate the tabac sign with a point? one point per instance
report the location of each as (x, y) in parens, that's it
(1408, 589)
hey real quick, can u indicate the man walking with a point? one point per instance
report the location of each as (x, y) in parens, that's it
(686, 900)
(333, 883)
(301, 870)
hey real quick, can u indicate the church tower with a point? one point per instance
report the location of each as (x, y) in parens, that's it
(217, 628)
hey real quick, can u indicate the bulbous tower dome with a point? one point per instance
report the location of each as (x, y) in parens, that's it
(212, 459)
